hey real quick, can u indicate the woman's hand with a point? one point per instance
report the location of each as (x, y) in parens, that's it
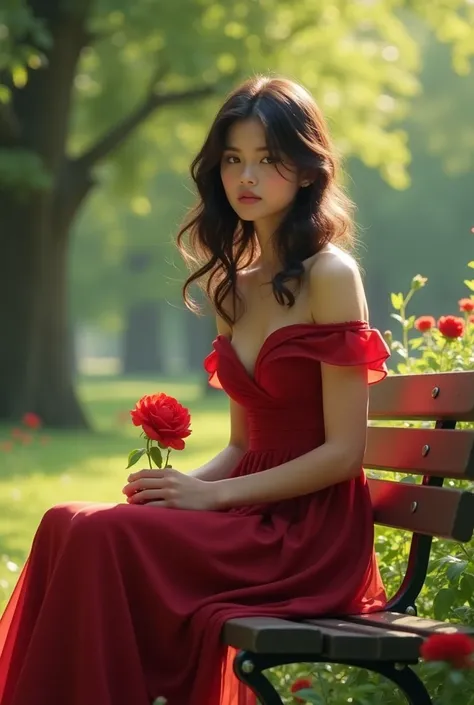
(170, 488)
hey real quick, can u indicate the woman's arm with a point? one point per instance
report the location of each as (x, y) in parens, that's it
(224, 463)
(337, 295)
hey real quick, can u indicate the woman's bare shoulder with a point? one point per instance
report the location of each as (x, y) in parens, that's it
(336, 288)
(333, 259)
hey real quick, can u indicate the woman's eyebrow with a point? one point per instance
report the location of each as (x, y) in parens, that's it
(229, 148)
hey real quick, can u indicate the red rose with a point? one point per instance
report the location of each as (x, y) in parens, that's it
(31, 420)
(451, 326)
(163, 419)
(300, 684)
(425, 323)
(466, 305)
(455, 649)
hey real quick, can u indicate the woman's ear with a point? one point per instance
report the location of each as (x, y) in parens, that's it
(306, 178)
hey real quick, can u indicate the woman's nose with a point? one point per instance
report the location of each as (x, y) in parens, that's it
(248, 176)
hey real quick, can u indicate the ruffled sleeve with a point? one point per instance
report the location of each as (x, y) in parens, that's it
(348, 344)
(344, 344)
(210, 366)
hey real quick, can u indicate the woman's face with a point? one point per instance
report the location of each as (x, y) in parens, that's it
(257, 187)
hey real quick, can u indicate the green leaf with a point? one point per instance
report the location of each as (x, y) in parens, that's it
(403, 353)
(469, 283)
(135, 456)
(397, 301)
(455, 570)
(456, 677)
(155, 454)
(443, 602)
(466, 588)
(4, 94)
(471, 264)
(416, 343)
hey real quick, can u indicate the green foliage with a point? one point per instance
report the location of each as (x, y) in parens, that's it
(23, 38)
(155, 455)
(430, 350)
(23, 41)
(22, 170)
(134, 456)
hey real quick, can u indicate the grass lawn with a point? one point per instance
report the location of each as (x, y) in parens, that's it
(58, 466)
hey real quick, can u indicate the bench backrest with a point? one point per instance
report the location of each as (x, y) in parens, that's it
(435, 451)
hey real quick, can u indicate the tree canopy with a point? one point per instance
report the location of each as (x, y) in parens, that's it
(113, 93)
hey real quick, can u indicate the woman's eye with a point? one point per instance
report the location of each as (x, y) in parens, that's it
(232, 160)
(270, 160)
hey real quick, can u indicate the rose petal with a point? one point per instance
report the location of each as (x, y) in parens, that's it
(150, 432)
(177, 444)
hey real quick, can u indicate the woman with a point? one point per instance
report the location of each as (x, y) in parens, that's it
(122, 604)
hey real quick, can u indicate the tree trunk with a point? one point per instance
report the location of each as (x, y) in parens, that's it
(35, 343)
(141, 340)
(35, 370)
(35, 353)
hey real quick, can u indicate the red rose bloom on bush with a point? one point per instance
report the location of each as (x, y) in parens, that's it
(31, 420)
(466, 305)
(163, 419)
(300, 684)
(451, 326)
(455, 649)
(425, 323)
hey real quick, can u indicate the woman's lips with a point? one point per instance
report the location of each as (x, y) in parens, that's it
(249, 200)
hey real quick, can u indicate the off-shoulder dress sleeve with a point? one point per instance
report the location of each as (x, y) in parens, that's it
(344, 344)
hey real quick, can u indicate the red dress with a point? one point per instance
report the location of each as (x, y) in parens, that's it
(120, 604)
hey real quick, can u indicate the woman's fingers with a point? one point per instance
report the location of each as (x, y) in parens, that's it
(147, 483)
(146, 496)
(147, 472)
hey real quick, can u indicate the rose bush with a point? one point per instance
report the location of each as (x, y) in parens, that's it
(451, 655)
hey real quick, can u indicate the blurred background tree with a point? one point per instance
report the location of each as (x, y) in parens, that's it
(102, 105)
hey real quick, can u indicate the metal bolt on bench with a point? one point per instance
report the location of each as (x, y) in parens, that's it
(390, 640)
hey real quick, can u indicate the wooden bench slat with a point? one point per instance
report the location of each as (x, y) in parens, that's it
(329, 638)
(408, 623)
(270, 635)
(412, 397)
(347, 641)
(435, 511)
(420, 451)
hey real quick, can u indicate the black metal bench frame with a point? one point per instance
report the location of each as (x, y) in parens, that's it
(389, 641)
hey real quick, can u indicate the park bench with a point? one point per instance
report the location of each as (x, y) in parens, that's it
(386, 642)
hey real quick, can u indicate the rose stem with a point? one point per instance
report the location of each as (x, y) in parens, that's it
(148, 442)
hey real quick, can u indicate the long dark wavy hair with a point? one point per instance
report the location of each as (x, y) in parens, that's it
(216, 244)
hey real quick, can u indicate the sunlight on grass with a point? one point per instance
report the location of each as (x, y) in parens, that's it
(55, 467)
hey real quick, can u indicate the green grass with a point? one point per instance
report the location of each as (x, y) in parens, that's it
(64, 466)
